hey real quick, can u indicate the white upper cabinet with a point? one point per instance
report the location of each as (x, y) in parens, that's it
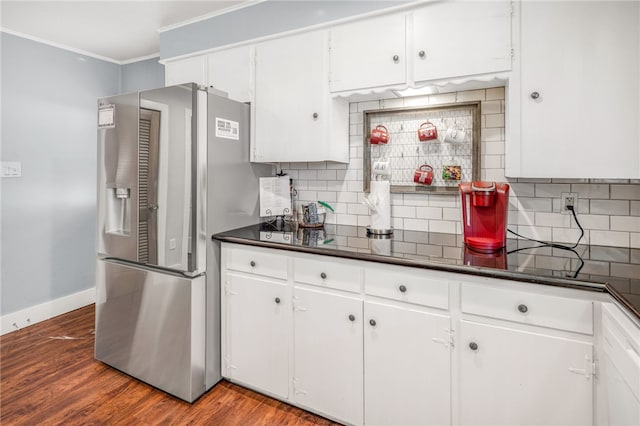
(226, 70)
(438, 41)
(190, 70)
(370, 53)
(230, 71)
(574, 97)
(463, 38)
(294, 117)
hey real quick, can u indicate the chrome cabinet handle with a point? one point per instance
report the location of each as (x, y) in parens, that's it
(535, 95)
(323, 275)
(402, 288)
(152, 207)
(523, 308)
(396, 58)
(352, 318)
(315, 115)
(372, 322)
(473, 346)
(252, 263)
(422, 54)
(277, 300)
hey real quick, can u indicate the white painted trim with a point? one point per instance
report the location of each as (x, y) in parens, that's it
(209, 15)
(35, 314)
(141, 58)
(60, 46)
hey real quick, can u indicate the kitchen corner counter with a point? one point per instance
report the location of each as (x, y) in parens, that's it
(613, 270)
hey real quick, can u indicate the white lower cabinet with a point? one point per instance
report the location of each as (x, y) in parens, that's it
(368, 343)
(327, 351)
(256, 333)
(619, 390)
(407, 366)
(515, 377)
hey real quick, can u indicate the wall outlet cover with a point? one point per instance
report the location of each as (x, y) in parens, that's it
(11, 169)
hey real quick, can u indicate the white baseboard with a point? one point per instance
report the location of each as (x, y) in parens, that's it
(35, 314)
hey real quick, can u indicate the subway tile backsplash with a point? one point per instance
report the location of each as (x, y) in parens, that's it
(608, 210)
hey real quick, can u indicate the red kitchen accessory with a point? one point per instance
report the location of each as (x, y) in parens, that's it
(495, 260)
(427, 131)
(484, 215)
(423, 175)
(379, 135)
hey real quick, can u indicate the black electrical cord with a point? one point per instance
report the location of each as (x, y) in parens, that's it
(555, 245)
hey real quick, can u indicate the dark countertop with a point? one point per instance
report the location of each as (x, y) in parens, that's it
(614, 270)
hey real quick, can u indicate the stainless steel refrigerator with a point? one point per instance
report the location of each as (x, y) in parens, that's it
(173, 169)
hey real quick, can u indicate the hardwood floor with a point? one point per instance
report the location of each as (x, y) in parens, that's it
(48, 376)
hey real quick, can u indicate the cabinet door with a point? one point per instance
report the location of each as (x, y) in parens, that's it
(452, 39)
(186, 71)
(580, 91)
(328, 354)
(370, 53)
(230, 71)
(256, 334)
(290, 99)
(620, 371)
(512, 377)
(407, 366)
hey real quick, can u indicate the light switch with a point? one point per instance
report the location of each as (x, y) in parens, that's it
(11, 169)
(172, 244)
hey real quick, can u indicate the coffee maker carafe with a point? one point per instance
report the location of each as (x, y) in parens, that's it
(484, 215)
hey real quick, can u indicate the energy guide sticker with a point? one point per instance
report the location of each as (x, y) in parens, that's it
(227, 129)
(106, 117)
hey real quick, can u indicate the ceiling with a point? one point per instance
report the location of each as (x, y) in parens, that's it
(120, 31)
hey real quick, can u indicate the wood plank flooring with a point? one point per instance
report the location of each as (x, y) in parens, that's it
(48, 376)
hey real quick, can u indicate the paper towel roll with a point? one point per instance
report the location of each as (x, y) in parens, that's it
(381, 198)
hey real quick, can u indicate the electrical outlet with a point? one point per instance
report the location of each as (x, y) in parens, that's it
(568, 199)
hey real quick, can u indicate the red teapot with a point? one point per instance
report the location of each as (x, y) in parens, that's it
(427, 131)
(423, 175)
(379, 135)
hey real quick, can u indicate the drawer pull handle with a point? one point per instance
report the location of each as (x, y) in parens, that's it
(402, 288)
(352, 318)
(253, 264)
(473, 346)
(396, 59)
(277, 300)
(372, 322)
(422, 54)
(323, 275)
(523, 308)
(535, 95)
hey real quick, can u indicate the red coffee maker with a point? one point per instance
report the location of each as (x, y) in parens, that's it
(484, 215)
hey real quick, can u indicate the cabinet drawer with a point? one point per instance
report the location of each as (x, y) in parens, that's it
(529, 308)
(328, 273)
(257, 262)
(407, 286)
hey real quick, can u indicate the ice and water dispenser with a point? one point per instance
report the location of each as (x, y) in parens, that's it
(484, 215)
(118, 211)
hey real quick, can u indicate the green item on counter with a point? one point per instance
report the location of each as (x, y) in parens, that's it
(322, 203)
